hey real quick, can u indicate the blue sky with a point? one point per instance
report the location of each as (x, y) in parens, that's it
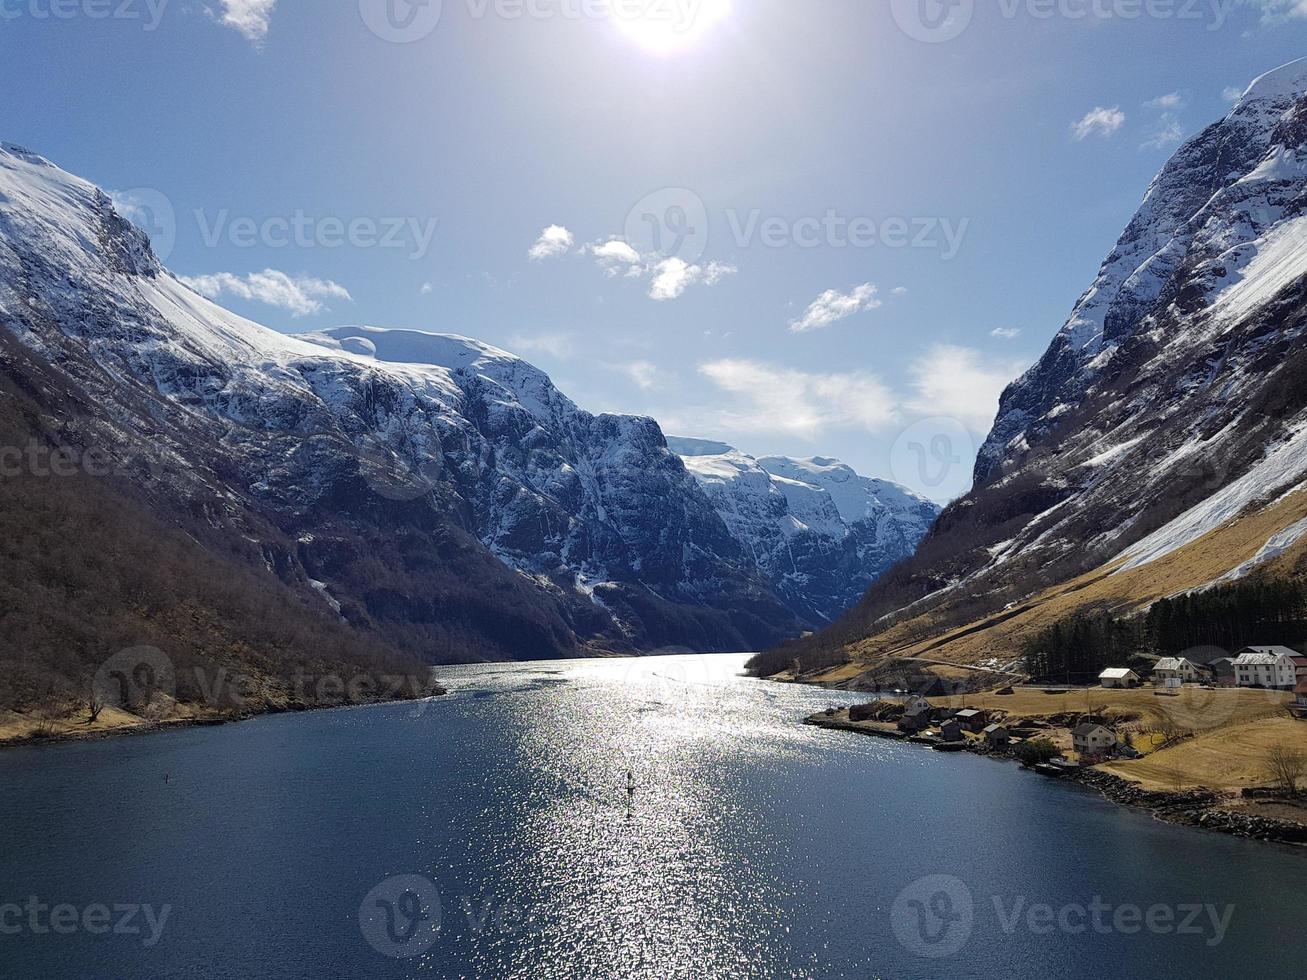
(831, 227)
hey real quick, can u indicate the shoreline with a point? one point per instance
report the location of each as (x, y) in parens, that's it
(1200, 808)
(158, 727)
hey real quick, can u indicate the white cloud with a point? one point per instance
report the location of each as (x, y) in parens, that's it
(558, 345)
(643, 375)
(1232, 93)
(1005, 333)
(668, 278)
(1169, 102)
(614, 254)
(770, 399)
(958, 382)
(553, 242)
(672, 277)
(1099, 122)
(1168, 133)
(249, 17)
(301, 295)
(1278, 11)
(900, 291)
(426, 289)
(832, 306)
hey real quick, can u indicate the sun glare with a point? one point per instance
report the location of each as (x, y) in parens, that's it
(667, 26)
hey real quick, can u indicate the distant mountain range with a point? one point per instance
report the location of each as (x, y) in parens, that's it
(1160, 445)
(820, 532)
(427, 493)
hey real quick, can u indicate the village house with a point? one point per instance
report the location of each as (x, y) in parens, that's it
(951, 731)
(916, 718)
(1267, 667)
(1176, 672)
(997, 737)
(971, 719)
(1300, 698)
(1119, 677)
(1093, 741)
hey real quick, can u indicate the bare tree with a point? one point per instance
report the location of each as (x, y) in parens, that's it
(94, 705)
(1287, 766)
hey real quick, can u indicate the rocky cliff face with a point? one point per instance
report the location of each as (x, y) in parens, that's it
(821, 532)
(430, 490)
(1172, 403)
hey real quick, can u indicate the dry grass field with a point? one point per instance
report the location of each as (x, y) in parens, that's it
(1192, 709)
(1230, 758)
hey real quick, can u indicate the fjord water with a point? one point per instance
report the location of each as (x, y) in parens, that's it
(747, 845)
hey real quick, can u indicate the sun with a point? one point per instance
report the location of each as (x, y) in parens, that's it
(667, 26)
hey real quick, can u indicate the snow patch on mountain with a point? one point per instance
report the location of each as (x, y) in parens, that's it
(444, 431)
(1283, 468)
(821, 531)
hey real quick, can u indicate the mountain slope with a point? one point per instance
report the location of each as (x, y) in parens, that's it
(821, 532)
(436, 494)
(1170, 411)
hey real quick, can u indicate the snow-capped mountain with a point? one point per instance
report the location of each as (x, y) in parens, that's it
(428, 489)
(1161, 442)
(820, 531)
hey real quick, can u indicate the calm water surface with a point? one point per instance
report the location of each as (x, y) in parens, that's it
(492, 834)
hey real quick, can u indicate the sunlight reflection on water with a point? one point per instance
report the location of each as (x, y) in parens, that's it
(664, 875)
(658, 818)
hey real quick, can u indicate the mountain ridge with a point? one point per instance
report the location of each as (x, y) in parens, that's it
(375, 469)
(1167, 413)
(822, 532)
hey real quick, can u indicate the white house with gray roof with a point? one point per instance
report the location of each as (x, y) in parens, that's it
(1119, 677)
(1267, 667)
(1177, 672)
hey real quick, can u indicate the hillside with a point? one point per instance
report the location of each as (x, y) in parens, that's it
(1159, 445)
(821, 532)
(432, 494)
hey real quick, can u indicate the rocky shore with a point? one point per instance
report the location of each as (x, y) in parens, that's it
(1202, 808)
